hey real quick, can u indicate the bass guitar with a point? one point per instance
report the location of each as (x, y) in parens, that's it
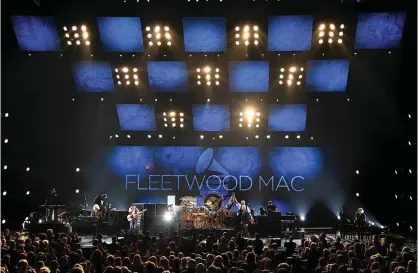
(136, 216)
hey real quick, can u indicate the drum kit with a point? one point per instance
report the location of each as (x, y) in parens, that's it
(208, 216)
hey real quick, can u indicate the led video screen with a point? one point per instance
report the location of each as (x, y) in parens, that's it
(213, 118)
(146, 174)
(290, 33)
(121, 34)
(204, 34)
(251, 76)
(327, 75)
(287, 117)
(93, 76)
(379, 30)
(136, 117)
(36, 33)
(167, 76)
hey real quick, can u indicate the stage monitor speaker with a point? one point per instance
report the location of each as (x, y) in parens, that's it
(122, 221)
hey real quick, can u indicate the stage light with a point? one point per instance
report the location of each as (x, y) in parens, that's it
(330, 31)
(286, 136)
(410, 197)
(220, 136)
(357, 172)
(409, 115)
(127, 75)
(256, 136)
(4, 193)
(27, 169)
(396, 196)
(28, 192)
(249, 118)
(3, 221)
(6, 141)
(302, 218)
(128, 136)
(160, 136)
(5, 167)
(248, 35)
(357, 194)
(293, 74)
(168, 217)
(158, 36)
(410, 171)
(76, 35)
(397, 224)
(410, 227)
(338, 217)
(172, 118)
(40, 221)
(7, 115)
(77, 191)
(208, 75)
(202, 136)
(268, 136)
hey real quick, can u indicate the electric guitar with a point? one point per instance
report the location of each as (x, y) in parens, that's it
(132, 216)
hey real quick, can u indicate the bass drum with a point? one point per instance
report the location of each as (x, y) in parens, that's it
(199, 222)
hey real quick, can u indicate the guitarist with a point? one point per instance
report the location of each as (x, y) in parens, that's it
(134, 217)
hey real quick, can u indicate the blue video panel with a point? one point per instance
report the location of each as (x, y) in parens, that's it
(121, 34)
(287, 117)
(252, 76)
(167, 76)
(379, 30)
(211, 117)
(36, 33)
(290, 33)
(204, 34)
(93, 76)
(327, 75)
(136, 117)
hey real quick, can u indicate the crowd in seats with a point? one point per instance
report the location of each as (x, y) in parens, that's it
(132, 253)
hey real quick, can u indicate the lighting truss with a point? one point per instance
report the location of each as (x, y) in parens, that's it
(76, 35)
(291, 75)
(127, 76)
(249, 118)
(208, 75)
(159, 36)
(246, 35)
(173, 119)
(330, 32)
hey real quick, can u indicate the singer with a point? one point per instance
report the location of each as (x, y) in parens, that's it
(246, 217)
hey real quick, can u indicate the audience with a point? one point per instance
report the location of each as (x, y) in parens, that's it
(62, 253)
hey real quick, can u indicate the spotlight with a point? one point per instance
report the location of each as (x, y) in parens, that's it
(202, 136)
(27, 169)
(357, 172)
(160, 36)
(77, 169)
(357, 194)
(6, 141)
(338, 217)
(168, 217)
(302, 218)
(249, 118)
(77, 191)
(247, 35)
(298, 136)
(396, 196)
(5, 167)
(268, 136)
(208, 75)
(293, 74)
(160, 136)
(3, 221)
(40, 221)
(4, 193)
(149, 136)
(7, 115)
(126, 76)
(28, 192)
(410, 197)
(77, 35)
(286, 136)
(172, 118)
(330, 31)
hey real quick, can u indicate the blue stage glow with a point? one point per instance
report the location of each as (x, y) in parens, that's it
(252, 76)
(123, 160)
(121, 34)
(204, 34)
(239, 160)
(136, 117)
(379, 30)
(36, 33)
(177, 160)
(211, 117)
(296, 161)
(167, 76)
(93, 76)
(290, 33)
(287, 117)
(327, 75)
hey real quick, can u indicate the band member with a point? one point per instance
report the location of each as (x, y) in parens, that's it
(172, 210)
(271, 207)
(49, 204)
(344, 221)
(360, 222)
(246, 217)
(134, 217)
(99, 203)
(263, 211)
